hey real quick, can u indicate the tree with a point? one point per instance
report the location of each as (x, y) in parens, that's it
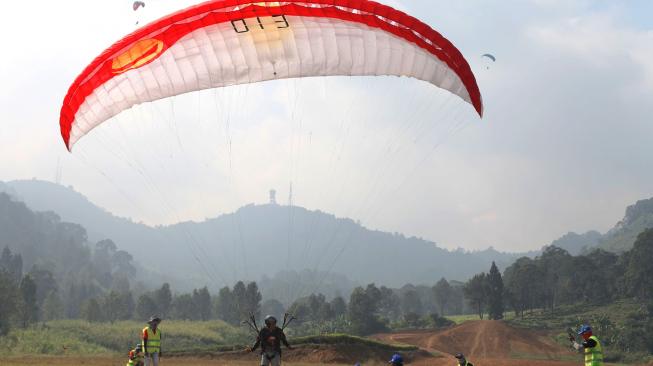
(239, 294)
(226, 307)
(362, 312)
(121, 262)
(120, 284)
(438, 321)
(476, 292)
(638, 277)
(495, 293)
(314, 303)
(77, 293)
(272, 307)
(325, 312)
(145, 307)
(389, 303)
(456, 303)
(29, 309)
(183, 307)
(127, 306)
(338, 306)
(411, 303)
(554, 264)
(12, 264)
(202, 303)
(301, 310)
(52, 306)
(524, 288)
(9, 301)
(608, 272)
(104, 251)
(442, 292)
(91, 311)
(412, 319)
(253, 300)
(163, 299)
(112, 306)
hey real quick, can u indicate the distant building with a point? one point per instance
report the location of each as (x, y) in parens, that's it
(273, 197)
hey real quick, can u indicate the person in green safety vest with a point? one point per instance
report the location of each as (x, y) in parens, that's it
(462, 361)
(591, 346)
(152, 341)
(136, 356)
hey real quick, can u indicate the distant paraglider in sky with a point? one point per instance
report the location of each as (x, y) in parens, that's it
(137, 5)
(489, 58)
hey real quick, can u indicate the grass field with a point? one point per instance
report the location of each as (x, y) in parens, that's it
(459, 319)
(77, 337)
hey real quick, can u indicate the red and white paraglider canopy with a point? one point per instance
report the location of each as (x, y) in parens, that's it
(229, 42)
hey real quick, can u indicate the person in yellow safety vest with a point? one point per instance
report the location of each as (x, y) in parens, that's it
(152, 341)
(462, 361)
(591, 346)
(136, 356)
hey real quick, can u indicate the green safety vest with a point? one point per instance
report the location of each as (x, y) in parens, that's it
(467, 363)
(594, 355)
(153, 340)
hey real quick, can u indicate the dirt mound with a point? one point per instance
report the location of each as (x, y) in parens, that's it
(485, 339)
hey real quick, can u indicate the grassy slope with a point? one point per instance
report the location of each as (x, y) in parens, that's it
(571, 317)
(459, 319)
(77, 337)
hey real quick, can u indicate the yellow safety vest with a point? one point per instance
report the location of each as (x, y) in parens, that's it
(153, 340)
(594, 355)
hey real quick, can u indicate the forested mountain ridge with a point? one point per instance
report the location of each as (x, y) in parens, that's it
(61, 266)
(620, 238)
(43, 240)
(577, 243)
(638, 218)
(261, 240)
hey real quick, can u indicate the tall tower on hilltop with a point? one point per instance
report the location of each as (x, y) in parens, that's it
(273, 197)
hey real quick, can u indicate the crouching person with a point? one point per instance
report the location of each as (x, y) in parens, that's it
(136, 356)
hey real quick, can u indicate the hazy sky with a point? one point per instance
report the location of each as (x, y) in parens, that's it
(565, 143)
